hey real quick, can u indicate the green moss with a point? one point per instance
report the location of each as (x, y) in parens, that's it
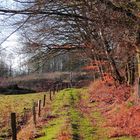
(65, 105)
(52, 129)
(130, 104)
(81, 126)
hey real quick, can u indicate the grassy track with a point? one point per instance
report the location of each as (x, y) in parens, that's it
(70, 123)
(67, 118)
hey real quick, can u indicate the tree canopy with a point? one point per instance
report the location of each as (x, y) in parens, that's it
(106, 30)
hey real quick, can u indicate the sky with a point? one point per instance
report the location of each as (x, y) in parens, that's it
(9, 48)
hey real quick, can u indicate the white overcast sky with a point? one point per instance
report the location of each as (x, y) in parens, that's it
(11, 46)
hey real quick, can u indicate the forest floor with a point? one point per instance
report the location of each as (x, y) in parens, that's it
(96, 113)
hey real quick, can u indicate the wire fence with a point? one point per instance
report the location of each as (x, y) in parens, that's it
(16, 121)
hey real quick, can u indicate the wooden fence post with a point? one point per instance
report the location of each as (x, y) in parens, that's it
(13, 126)
(70, 85)
(25, 118)
(39, 108)
(67, 85)
(44, 101)
(53, 90)
(64, 85)
(60, 86)
(57, 87)
(50, 95)
(34, 113)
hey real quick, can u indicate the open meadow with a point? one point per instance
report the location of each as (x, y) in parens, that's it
(18, 104)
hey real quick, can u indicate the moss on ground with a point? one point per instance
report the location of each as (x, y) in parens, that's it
(52, 129)
(81, 127)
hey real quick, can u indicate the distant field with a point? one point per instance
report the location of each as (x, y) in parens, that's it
(14, 103)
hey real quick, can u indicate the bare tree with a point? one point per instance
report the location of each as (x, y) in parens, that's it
(98, 27)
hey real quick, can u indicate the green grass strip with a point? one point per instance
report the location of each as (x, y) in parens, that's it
(52, 129)
(59, 110)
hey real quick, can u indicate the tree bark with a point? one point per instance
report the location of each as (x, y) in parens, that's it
(138, 68)
(137, 47)
(130, 72)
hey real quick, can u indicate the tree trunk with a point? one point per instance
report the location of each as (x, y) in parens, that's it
(130, 71)
(132, 80)
(127, 74)
(138, 68)
(111, 59)
(116, 71)
(137, 48)
(96, 58)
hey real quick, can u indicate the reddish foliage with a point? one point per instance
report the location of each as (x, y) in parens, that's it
(65, 133)
(90, 68)
(99, 62)
(121, 109)
(95, 65)
(108, 93)
(64, 136)
(107, 78)
(83, 107)
(126, 121)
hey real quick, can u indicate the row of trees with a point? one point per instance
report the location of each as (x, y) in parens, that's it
(5, 70)
(107, 31)
(65, 62)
